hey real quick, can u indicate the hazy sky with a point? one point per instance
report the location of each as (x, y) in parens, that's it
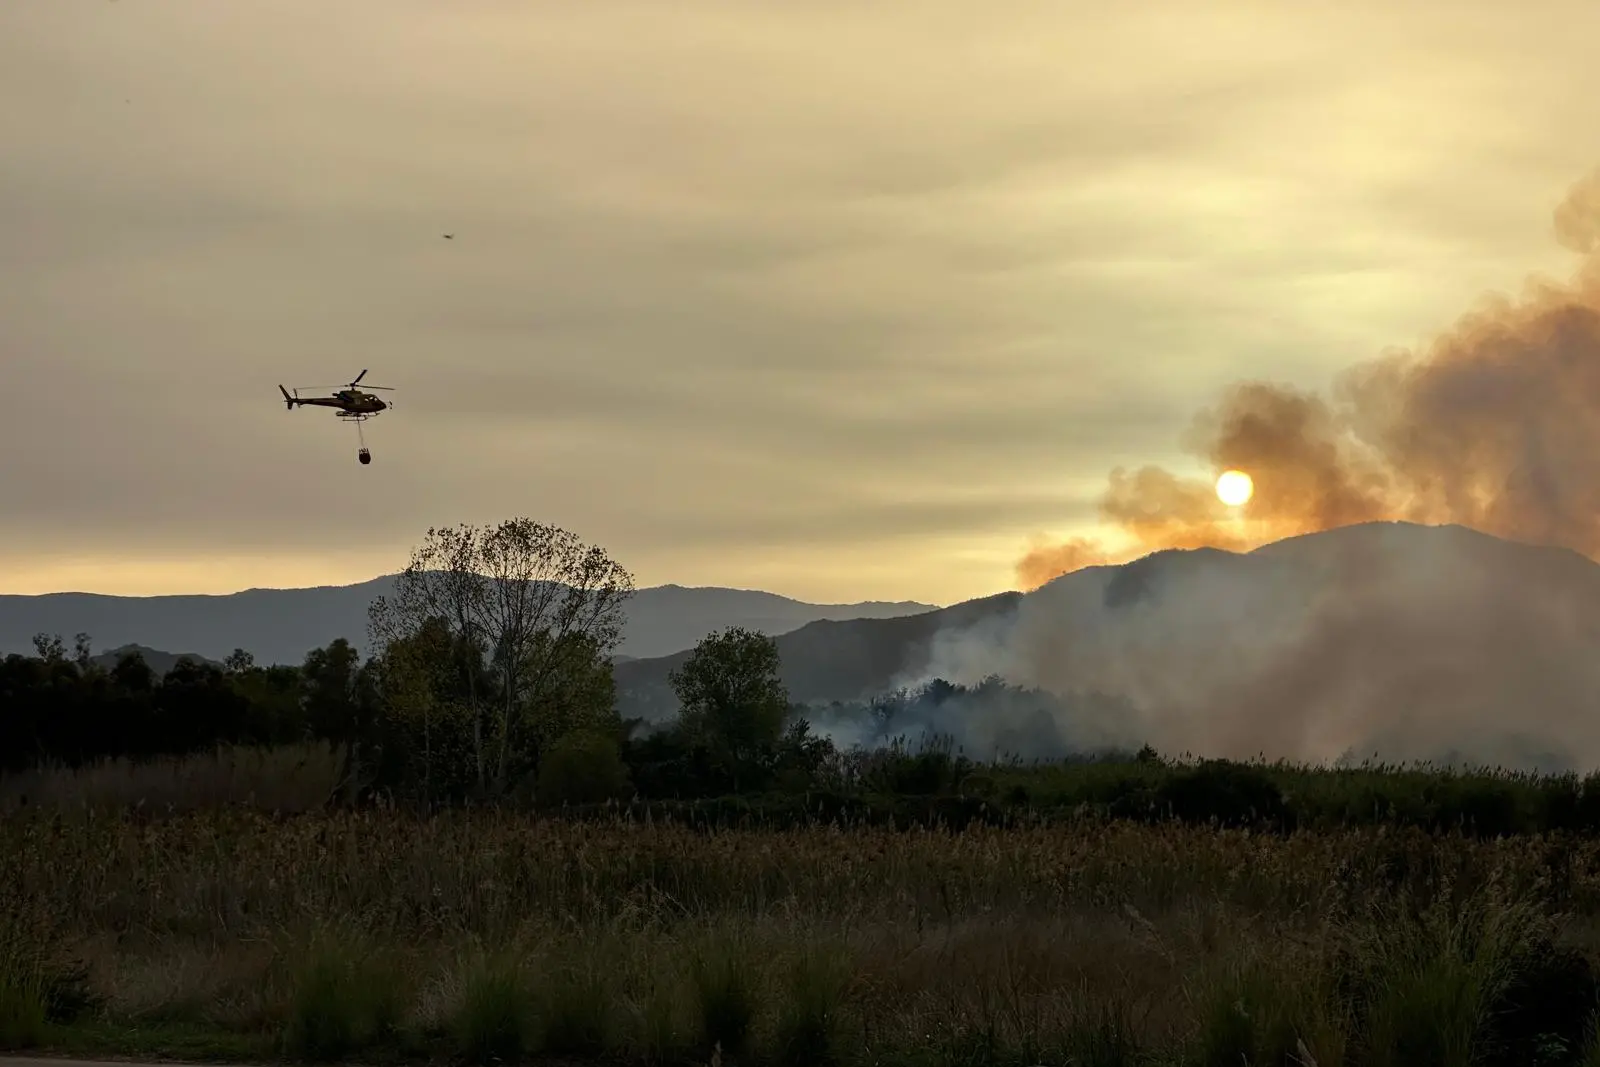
(844, 301)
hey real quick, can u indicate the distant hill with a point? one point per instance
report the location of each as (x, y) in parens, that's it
(282, 625)
(160, 662)
(1415, 642)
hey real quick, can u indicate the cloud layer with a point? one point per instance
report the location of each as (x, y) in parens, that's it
(845, 302)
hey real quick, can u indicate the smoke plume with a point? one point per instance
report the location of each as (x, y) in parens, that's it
(1494, 426)
(1401, 630)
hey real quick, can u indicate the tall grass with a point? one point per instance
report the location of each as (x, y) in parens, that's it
(40, 987)
(1393, 927)
(490, 935)
(345, 994)
(292, 778)
(23, 996)
(902, 785)
(1484, 800)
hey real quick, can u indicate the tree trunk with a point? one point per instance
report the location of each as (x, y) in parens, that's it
(472, 700)
(348, 786)
(427, 758)
(505, 736)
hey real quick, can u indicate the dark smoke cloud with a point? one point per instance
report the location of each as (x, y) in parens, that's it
(1402, 631)
(1494, 426)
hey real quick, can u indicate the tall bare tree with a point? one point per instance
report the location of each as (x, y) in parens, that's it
(529, 595)
(548, 593)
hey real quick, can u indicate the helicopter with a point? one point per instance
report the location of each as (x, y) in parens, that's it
(353, 404)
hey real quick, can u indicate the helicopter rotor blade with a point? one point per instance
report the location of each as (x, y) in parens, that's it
(360, 376)
(383, 388)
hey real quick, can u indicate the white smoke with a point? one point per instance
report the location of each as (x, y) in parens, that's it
(1408, 642)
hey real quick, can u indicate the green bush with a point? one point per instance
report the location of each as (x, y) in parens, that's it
(582, 767)
(494, 1020)
(342, 1000)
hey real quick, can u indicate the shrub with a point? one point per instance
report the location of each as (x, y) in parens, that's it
(808, 1018)
(575, 1011)
(494, 1020)
(1231, 794)
(342, 999)
(724, 994)
(582, 767)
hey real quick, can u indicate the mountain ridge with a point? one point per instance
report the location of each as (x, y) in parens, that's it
(282, 625)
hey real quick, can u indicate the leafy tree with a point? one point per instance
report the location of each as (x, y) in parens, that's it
(82, 652)
(802, 758)
(132, 674)
(330, 688)
(50, 647)
(198, 707)
(275, 705)
(544, 607)
(427, 681)
(238, 662)
(340, 704)
(441, 585)
(731, 697)
(549, 594)
(130, 711)
(580, 692)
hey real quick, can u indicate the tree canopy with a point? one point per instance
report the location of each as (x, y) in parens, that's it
(517, 622)
(730, 695)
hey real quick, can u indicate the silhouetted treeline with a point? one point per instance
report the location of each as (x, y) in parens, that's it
(73, 711)
(65, 710)
(411, 740)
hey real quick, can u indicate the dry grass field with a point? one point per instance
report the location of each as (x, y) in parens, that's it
(187, 927)
(287, 779)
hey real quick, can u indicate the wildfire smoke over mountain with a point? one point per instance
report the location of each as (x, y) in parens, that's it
(1495, 425)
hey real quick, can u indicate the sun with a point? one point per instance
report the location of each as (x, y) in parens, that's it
(1234, 488)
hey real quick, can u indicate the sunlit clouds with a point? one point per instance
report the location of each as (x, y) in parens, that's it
(1494, 425)
(844, 302)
